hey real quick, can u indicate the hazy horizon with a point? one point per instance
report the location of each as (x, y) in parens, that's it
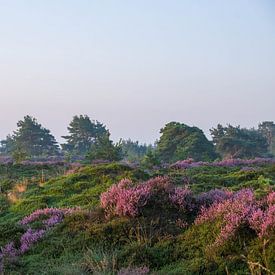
(135, 66)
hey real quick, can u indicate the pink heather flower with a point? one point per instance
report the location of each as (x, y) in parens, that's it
(271, 198)
(213, 196)
(56, 216)
(233, 212)
(134, 271)
(53, 220)
(49, 216)
(29, 238)
(127, 199)
(189, 163)
(263, 222)
(241, 209)
(268, 226)
(9, 251)
(256, 220)
(183, 198)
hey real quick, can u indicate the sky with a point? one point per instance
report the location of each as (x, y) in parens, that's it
(137, 65)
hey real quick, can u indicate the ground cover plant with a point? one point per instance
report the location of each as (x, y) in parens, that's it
(116, 219)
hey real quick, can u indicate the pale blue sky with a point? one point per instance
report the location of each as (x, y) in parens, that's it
(136, 65)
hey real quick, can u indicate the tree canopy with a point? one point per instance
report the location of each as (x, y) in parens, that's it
(133, 150)
(236, 142)
(91, 139)
(82, 135)
(179, 141)
(104, 149)
(30, 140)
(267, 129)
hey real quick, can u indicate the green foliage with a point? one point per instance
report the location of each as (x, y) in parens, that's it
(236, 142)
(267, 129)
(203, 179)
(19, 154)
(133, 151)
(150, 160)
(261, 252)
(82, 134)
(30, 140)
(82, 188)
(99, 261)
(4, 205)
(88, 242)
(5, 185)
(179, 141)
(7, 146)
(104, 149)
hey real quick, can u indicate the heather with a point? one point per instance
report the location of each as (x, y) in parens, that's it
(120, 219)
(231, 162)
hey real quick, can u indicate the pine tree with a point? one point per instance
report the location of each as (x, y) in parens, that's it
(82, 134)
(31, 140)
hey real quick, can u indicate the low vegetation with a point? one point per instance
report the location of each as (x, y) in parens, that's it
(212, 218)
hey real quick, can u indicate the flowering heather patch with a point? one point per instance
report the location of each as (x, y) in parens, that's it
(126, 199)
(233, 212)
(134, 271)
(56, 216)
(263, 222)
(213, 196)
(53, 216)
(5, 160)
(270, 198)
(183, 198)
(190, 163)
(8, 253)
(29, 238)
(41, 163)
(240, 209)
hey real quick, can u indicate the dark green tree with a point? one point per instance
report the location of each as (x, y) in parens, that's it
(179, 141)
(30, 140)
(82, 134)
(133, 151)
(267, 129)
(236, 142)
(150, 160)
(7, 146)
(104, 149)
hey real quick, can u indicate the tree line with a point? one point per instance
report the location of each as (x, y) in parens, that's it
(90, 140)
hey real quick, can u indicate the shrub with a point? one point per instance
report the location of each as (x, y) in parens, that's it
(127, 199)
(49, 217)
(240, 210)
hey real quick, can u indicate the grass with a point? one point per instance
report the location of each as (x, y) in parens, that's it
(88, 243)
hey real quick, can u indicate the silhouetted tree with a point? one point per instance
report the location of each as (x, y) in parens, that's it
(236, 142)
(180, 141)
(267, 129)
(133, 151)
(104, 149)
(82, 134)
(30, 140)
(7, 146)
